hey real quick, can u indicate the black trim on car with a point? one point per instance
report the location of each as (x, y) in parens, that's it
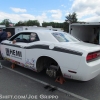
(67, 51)
(11, 45)
(59, 49)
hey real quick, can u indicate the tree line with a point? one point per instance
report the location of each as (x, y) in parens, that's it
(71, 18)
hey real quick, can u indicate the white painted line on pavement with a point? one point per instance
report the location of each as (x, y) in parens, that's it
(62, 90)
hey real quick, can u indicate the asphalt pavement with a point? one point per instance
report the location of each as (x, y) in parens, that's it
(16, 84)
(35, 83)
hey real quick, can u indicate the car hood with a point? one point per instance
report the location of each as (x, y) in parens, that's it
(82, 46)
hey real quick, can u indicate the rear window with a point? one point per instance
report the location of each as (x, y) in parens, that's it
(64, 37)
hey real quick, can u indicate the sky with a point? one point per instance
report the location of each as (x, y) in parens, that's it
(49, 10)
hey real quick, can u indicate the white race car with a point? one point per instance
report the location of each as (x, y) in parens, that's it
(57, 52)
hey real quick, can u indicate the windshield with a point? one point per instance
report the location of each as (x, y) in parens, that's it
(64, 37)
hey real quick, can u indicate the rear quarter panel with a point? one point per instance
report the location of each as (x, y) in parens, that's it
(65, 60)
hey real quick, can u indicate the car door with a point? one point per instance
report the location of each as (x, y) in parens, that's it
(16, 51)
(31, 52)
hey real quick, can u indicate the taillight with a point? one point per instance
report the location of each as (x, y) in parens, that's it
(92, 56)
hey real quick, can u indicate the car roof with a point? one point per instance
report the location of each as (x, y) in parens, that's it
(44, 35)
(40, 31)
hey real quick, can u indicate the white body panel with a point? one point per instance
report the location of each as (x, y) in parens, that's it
(70, 56)
(20, 55)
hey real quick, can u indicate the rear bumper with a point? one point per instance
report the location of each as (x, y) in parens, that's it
(87, 71)
(93, 70)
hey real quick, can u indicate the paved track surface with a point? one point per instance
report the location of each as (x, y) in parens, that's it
(15, 83)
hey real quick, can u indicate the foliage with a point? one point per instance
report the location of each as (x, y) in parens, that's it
(6, 22)
(53, 24)
(66, 26)
(28, 23)
(71, 18)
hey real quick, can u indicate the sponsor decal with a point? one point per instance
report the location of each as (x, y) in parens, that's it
(13, 53)
(29, 63)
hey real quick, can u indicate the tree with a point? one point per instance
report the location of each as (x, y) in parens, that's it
(6, 22)
(71, 18)
(53, 24)
(32, 23)
(28, 23)
(66, 26)
(20, 23)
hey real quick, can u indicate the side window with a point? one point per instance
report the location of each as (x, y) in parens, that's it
(21, 37)
(26, 37)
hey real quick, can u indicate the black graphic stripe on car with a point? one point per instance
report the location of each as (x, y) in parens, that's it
(59, 49)
(13, 45)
